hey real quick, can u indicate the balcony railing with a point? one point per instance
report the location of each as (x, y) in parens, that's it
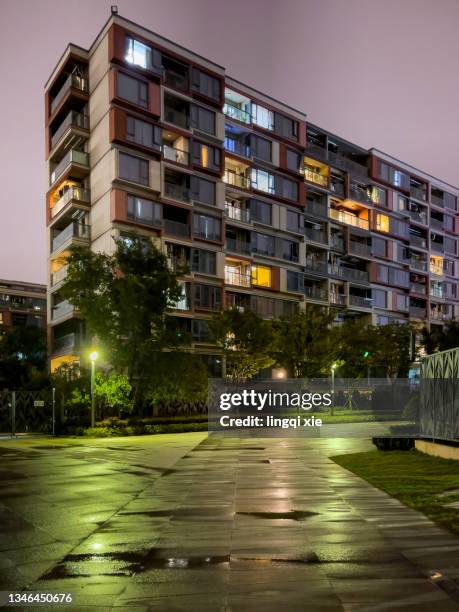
(72, 193)
(418, 288)
(317, 208)
(359, 248)
(337, 186)
(315, 177)
(74, 230)
(237, 180)
(316, 235)
(418, 264)
(418, 216)
(241, 279)
(62, 309)
(176, 228)
(69, 342)
(338, 299)
(437, 292)
(358, 193)
(418, 193)
(418, 313)
(348, 273)
(436, 224)
(438, 315)
(315, 265)
(73, 119)
(72, 157)
(177, 192)
(418, 241)
(57, 277)
(315, 293)
(176, 117)
(360, 301)
(233, 112)
(238, 214)
(176, 155)
(174, 79)
(437, 246)
(236, 146)
(348, 218)
(72, 81)
(337, 243)
(237, 246)
(437, 200)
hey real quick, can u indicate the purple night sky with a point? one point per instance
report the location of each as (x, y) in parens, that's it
(380, 73)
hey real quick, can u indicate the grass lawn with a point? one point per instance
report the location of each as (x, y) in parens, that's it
(413, 478)
(345, 415)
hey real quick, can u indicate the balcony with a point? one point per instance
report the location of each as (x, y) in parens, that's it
(236, 180)
(418, 241)
(360, 301)
(437, 292)
(238, 214)
(337, 299)
(418, 193)
(348, 218)
(418, 313)
(237, 147)
(437, 246)
(316, 265)
(176, 155)
(66, 344)
(337, 186)
(77, 194)
(346, 273)
(359, 193)
(438, 315)
(315, 293)
(238, 114)
(418, 216)
(418, 264)
(418, 288)
(58, 276)
(74, 230)
(436, 224)
(176, 117)
(72, 157)
(337, 242)
(176, 228)
(316, 235)
(72, 82)
(176, 192)
(437, 200)
(175, 79)
(316, 208)
(359, 248)
(74, 120)
(314, 177)
(237, 246)
(236, 278)
(62, 309)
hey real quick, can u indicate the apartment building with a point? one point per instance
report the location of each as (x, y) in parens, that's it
(21, 304)
(268, 211)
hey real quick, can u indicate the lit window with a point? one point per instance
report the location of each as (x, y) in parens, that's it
(204, 156)
(137, 53)
(262, 117)
(261, 276)
(436, 264)
(382, 223)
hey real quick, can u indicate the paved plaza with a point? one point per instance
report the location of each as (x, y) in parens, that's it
(197, 523)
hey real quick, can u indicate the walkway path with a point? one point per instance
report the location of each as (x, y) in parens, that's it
(192, 523)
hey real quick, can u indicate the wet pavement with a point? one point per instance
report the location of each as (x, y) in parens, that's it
(187, 522)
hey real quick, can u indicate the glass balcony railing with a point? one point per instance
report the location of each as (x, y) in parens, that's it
(176, 155)
(348, 273)
(315, 235)
(315, 293)
(436, 224)
(317, 208)
(237, 147)
(175, 79)
(177, 192)
(176, 117)
(356, 192)
(338, 299)
(418, 313)
(315, 177)
(418, 216)
(73, 119)
(238, 214)
(316, 265)
(440, 315)
(419, 194)
(437, 200)
(437, 292)
(233, 112)
(69, 342)
(71, 193)
(236, 180)
(176, 228)
(348, 218)
(57, 277)
(74, 230)
(418, 264)
(359, 248)
(418, 288)
(241, 279)
(360, 301)
(237, 246)
(72, 81)
(72, 157)
(62, 309)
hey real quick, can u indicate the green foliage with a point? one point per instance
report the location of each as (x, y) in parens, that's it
(305, 343)
(245, 339)
(112, 394)
(441, 339)
(23, 361)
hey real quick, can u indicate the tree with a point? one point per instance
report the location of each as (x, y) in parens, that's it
(391, 349)
(441, 339)
(356, 348)
(23, 358)
(112, 394)
(305, 343)
(245, 339)
(123, 299)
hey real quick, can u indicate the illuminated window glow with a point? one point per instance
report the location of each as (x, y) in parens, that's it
(261, 276)
(382, 223)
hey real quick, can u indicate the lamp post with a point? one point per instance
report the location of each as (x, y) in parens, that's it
(332, 409)
(93, 357)
(365, 356)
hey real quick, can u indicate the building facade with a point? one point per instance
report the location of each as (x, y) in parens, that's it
(268, 211)
(22, 304)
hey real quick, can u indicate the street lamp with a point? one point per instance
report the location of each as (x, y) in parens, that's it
(333, 368)
(93, 357)
(365, 356)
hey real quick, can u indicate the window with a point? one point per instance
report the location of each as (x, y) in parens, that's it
(377, 195)
(449, 200)
(400, 278)
(133, 169)
(448, 223)
(206, 227)
(379, 298)
(379, 247)
(261, 276)
(261, 148)
(286, 127)
(287, 188)
(202, 119)
(206, 85)
(400, 203)
(289, 250)
(133, 90)
(382, 223)
(206, 156)
(401, 302)
(142, 55)
(449, 244)
(206, 296)
(202, 190)
(204, 262)
(200, 331)
(388, 174)
(295, 281)
(262, 180)
(143, 133)
(261, 211)
(295, 221)
(144, 210)
(262, 117)
(382, 274)
(293, 159)
(399, 228)
(263, 244)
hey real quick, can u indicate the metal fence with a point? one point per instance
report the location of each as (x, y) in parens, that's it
(23, 412)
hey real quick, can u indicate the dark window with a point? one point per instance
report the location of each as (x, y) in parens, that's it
(448, 223)
(449, 244)
(133, 168)
(133, 90)
(286, 188)
(261, 211)
(207, 296)
(206, 155)
(289, 250)
(144, 210)
(143, 133)
(449, 200)
(295, 221)
(206, 227)
(202, 190)
(399, 228)
(200, 331)
(261, 147)
(379, 246)
(206, 85)
(203, 261)
(284, 126)
(263, 244)
(202, 119)
(379, 298)
(293, 160)
(295, 281)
